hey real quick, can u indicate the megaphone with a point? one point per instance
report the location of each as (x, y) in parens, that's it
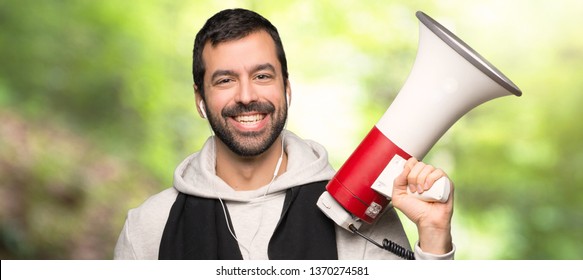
(447, 80)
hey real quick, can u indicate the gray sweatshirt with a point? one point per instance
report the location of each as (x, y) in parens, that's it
(254, 214)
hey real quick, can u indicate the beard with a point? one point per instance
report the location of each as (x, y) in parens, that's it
(253, 143)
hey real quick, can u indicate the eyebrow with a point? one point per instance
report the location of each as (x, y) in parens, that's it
(257, 68)
(265, 66)
(220, 73)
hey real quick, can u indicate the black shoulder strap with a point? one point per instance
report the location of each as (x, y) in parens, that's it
(196, 229)
(304, 232)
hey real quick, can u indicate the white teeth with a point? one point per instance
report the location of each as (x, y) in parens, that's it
(249, 118)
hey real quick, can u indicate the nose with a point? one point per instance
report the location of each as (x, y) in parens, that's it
(246, 93)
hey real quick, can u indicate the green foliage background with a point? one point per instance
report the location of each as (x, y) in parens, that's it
(96, 110)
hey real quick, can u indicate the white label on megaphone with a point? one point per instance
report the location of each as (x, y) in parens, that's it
(384, 183)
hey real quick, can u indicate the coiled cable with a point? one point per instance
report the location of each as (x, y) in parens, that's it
(387, 245)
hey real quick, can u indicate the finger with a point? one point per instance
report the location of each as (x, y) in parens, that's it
(435, 175)
(423, 176)
(411, 162)
(412, 178)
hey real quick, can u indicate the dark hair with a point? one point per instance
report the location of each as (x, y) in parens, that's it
(228, 25)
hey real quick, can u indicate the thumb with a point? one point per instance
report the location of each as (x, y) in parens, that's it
(400, 183)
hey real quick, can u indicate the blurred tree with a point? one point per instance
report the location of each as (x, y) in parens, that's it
(94, 107)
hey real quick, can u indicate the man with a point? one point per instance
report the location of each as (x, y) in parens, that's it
(251, 191)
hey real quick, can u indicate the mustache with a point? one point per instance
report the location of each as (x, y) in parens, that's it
(238, 109)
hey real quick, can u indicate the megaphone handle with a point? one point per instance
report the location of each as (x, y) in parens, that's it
(439, 191)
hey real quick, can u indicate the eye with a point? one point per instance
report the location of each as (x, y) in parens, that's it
(263, 77)
(223, 81)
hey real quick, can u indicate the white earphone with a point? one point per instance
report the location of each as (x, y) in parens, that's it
(202, 109)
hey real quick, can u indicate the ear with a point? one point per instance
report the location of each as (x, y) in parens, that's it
(199, 101)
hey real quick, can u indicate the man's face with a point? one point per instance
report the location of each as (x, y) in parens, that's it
(244, 90)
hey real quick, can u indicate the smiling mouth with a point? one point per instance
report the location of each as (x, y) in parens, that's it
(249, 119)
